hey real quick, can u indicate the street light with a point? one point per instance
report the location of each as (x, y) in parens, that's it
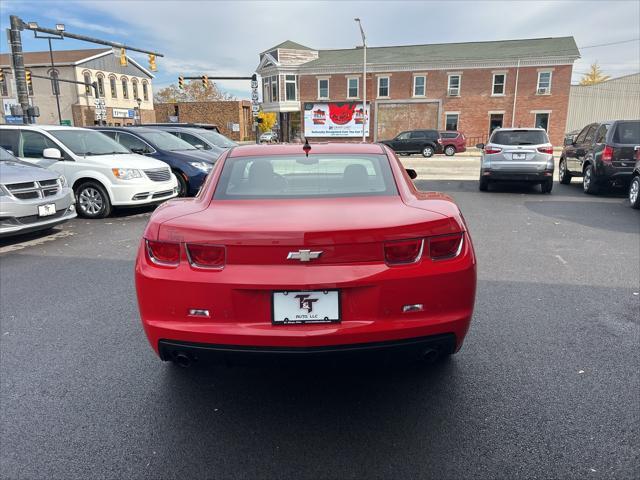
(60, 27)
(364, 81)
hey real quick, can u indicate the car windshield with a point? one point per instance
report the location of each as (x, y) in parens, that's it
(216, 138)
(627, 132)
(296, 176)
(166, 141)
(88, 142)
(519, 137)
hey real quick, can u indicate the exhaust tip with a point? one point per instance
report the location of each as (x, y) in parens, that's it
(430, 355)
(182, 359)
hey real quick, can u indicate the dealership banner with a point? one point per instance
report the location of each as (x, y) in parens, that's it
(335, 119)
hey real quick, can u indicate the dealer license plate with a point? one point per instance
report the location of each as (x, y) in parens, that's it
(46, 210)
(318, 306)
(519, 156)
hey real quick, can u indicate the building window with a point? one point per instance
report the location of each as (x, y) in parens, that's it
(87, 84)
(499, 80)
(290, 89)
(544, 83)
(265, 90)
(383, 87)
(323, 88)
(125, 88)
(145, 91)
(495, 121)
(542, 121)
(3, 85)
(112, 87)
(419, 86)
(134, 85)
(451, 121)
(352, 87)
(100, 80)
(274, 89)
(453, 89)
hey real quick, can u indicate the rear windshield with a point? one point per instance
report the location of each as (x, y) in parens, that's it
(216, 138)
(296, 176)
(448, 135)
(520, 137)
(627, 132)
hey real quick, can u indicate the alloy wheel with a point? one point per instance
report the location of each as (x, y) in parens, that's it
(427, 151)
(634, 190)
(586, 180)
(91, 201)
(449, 151)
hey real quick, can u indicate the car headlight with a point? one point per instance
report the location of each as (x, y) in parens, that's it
(62, 181)
(204, 166)
(126, 173)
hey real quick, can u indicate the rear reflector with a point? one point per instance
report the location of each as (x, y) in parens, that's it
(402, 252)
(206, 256)
(163, 253)
(492, 150)
(607, 154)
(445, 246)
(548, 150)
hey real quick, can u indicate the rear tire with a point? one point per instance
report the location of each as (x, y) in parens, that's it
(450, 150)
(564, 177)
(547, 186)
(484, 184)
(92, 201)
(428, 151)
(588, 181)
(634, 192)
(183, 187)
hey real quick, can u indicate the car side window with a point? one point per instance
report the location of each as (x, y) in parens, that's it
(109, 134)
(582, 134)
(601, 134)
(33, 143)
(418, 135)
(9, 140)
(403, 136)
(193, 140)
(590, 134)
(133, 143)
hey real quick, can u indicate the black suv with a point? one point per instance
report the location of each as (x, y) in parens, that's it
(603, 154)
(426, 142)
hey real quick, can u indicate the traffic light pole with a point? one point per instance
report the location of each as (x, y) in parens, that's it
(20, 77)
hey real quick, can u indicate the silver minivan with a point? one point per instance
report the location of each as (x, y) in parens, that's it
(517, 155)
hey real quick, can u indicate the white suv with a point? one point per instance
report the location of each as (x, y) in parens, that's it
(101, 171)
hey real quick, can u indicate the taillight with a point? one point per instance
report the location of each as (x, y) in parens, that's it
(491, 150)
(607, 154)
(205, 256)
(445, 246)
(163, 253)
(399, 252)
(548, 150)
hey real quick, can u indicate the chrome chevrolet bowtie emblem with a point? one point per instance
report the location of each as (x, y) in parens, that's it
(303, 255)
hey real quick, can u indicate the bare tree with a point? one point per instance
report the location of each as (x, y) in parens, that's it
(193, 91)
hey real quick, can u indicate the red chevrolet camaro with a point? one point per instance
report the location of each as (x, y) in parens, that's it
(319, 249)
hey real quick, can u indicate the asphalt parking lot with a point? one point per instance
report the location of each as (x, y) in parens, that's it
(546, 386)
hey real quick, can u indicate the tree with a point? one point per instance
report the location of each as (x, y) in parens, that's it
(193, 91)
(594, 76)
(268, 121)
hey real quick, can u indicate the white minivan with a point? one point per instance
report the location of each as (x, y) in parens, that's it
(103, 173)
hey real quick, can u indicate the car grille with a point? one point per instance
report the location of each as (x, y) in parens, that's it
(35, 218)
(158, 174)
(33, 190)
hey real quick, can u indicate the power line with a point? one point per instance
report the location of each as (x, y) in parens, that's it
(612, 43)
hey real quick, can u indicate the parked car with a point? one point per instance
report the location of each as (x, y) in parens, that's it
(396, 269)
(453, 142)
(189, 164)
(102, 173)
(426, 142)
(517, 154)
(634, 187)
(268, 137)
(203, 139)
(603, 154)
(31, 198)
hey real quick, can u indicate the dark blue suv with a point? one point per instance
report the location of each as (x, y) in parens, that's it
(189, 164)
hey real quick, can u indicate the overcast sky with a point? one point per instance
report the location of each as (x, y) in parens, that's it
(225, 38)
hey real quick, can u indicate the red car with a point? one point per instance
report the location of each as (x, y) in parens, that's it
(453, 142)
(323, 249)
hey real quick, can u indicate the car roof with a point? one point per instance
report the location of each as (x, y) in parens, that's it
(519, 129)
(255, 150)
(127, 129)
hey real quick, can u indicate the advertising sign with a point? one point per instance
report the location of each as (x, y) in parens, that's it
(123, 113)
(335, 119)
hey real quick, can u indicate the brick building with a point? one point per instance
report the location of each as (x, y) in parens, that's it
(233, 118)
(473, 87)
(120, 86)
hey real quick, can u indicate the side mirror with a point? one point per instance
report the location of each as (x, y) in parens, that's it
(140, 151)
(52, 154)
(412, 173)
(568, 141)
(480, 146)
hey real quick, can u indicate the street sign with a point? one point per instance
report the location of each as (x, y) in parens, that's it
(254, 96)
(255, 108)
(254, 84)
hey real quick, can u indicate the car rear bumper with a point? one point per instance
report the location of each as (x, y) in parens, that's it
(615, 175)
(515, 176)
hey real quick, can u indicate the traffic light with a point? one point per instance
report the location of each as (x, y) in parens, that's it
(181, 83)
(205, 81)
(152, 62)
(27, 76)
(1, 75)
(123, 57)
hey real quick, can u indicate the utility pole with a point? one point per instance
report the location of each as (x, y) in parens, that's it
(515, 96)
(364, 82)
(16, 25)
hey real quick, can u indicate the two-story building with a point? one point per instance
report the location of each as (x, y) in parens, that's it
(472, 87)
(119, 86)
